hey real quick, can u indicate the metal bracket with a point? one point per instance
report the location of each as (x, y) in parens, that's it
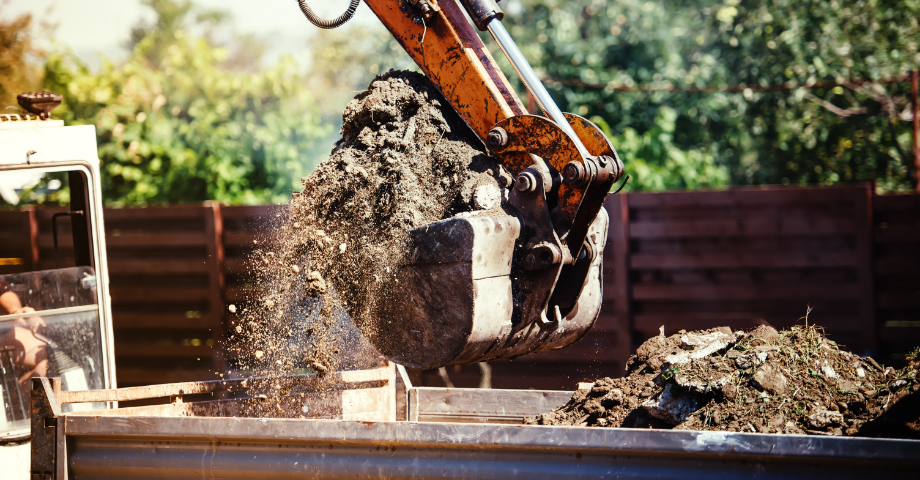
(420, 11)
(532, 278)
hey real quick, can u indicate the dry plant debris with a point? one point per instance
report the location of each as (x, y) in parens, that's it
(794, 381)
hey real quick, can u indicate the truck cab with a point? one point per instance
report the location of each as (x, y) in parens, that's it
(55, 314)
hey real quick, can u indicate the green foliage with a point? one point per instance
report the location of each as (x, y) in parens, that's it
(18, 72)
(655, 163)
(175, 125)
(783, 128)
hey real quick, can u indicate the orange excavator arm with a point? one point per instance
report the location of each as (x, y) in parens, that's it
(449, 51)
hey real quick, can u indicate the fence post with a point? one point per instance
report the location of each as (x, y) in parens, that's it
(914, 80)
(214, 229)
(33, 237)
(865, 228)
(618, 241)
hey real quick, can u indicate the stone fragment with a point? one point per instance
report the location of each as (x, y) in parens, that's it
(701, 344)
(771, 380)
(673, 405)
(702, 385)
(751, 360)
(486, 197)
(766, 333)
(847, 386)
(823, 419)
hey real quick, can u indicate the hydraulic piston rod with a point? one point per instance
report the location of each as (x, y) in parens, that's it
(487, 16)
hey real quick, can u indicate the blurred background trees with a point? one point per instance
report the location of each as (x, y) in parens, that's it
(775, 91)
(185, 119)
(694, 93)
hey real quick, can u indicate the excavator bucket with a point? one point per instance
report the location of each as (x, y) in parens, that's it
(463, 293)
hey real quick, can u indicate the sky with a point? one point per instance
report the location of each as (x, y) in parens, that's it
(93, 27)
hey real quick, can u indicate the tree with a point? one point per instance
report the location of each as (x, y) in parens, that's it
(817, 98)
(18, 53)
(175, 125)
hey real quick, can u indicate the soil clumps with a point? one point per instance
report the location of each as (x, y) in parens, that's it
(794, 381)
(405, 159)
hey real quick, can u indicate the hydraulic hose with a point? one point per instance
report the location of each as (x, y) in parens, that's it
(323, 23)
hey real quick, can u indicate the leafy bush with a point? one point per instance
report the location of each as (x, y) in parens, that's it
(790, 122)
(175, 125)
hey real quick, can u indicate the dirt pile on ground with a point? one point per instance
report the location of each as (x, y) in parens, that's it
(405, 159)
(795, 381)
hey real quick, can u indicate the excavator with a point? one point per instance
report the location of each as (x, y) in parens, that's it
(518, 283)
(482, 289)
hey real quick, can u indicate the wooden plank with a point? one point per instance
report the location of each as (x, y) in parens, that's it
(238, 294)
(744, 292)
(159, 239)
(159, 376)
(158, 321)
(237, 265)
(898, 234)
(617, 253)
(776, 197)
(156, 267)
(910, 202)
(741, 227)
(251, 211)
(432, 404)
(159, 294)
(125, 350)
(245, 239)
(901, 335)
(172, 212)
(897, 300)
(742, 260)
(596, 346)
(897, 265)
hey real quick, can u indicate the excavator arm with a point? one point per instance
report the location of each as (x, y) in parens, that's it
(533, 281)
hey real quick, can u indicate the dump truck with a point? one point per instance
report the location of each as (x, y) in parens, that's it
(61, 412)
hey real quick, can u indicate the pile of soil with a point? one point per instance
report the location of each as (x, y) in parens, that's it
(405, 159)
(795, 381)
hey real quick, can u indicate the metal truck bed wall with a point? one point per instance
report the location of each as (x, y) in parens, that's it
(447, 433)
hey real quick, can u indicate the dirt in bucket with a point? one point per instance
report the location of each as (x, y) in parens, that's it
(793, 381)
(405, 159)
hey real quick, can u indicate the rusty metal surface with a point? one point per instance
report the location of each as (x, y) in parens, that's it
(125, 447)
(591, 136)
(448, 50)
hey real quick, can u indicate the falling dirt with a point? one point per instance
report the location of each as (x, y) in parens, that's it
(405, 159)
(795, 381)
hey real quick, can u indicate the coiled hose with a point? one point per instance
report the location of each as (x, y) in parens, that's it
(323, 23)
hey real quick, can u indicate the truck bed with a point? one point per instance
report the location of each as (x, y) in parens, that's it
(445, 433)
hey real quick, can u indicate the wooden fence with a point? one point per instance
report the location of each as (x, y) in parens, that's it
(681, 260)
